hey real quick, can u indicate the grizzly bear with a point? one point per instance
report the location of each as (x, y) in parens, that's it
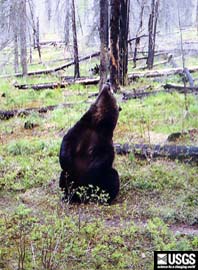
(87, 152)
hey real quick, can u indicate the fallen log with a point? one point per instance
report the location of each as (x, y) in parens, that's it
(51, 42)
(90, 81)
(5, 115)
(134, 38)
(164, 62)
(181, 88)
(179, 152)
(189, 77)
(135, 95)
(159, 73)
(53, 85)
(145, 57)
(52, 70)
(41, 86)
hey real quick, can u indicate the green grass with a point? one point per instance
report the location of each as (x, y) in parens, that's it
(155, 195)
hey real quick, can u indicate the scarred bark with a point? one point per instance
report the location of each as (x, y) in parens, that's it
(114, 44)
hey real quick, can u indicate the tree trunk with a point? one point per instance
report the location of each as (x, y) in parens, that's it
(23, 41)
(14, 23)
(67, 23)
(197, 17)
(137, 41)
(75, 43)
(152, 29)
(16, 53)
(123, 41)
(114, 43)
(38, 39)
(104, 15)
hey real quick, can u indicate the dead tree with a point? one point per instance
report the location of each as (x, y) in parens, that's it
(137, 40)
(16, 53)
(180, 152)
(22, 35)
(152, 29)
(14, 23)
(104, 40)
(35, 29)
(38, 39)
(67, 23)
(123, 41)
(75, 42)
(114, 43)
(183, 57)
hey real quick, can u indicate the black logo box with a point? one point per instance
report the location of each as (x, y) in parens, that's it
(164, 260)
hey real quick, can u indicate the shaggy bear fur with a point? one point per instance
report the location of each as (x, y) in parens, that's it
(87, 153)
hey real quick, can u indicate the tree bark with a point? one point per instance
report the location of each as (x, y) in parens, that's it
(152, 29)
(38, 39)
(179, 152)
(104, 41)
(123, 41)
(188, 77)
(14, 23)
(197, 17)
(16, 52)
(67, 23)
(137, 41)
(75, 42)
(23, 41)
(114, 43)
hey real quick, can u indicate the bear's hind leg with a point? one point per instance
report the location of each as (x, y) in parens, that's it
(111, 184)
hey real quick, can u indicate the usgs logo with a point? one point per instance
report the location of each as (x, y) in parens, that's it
(176, 260)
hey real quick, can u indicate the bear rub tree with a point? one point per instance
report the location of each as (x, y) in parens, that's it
(87, 152)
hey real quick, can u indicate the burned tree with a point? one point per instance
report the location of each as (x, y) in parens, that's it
(67, 23)
(104, 40)
(38, 39)
(35, 28)
(14, 24)
(75, 43)
(114, 43)
(22, 36)
(137, 40)
(123, 41)
(152, 29)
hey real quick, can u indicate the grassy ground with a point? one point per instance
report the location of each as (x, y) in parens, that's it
(157, 208)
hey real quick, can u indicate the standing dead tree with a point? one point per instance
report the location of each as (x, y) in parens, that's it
(22, 35)
(35, 25)
(183, 58)
(137, 40)
(123, 41)
(38, 39)
(67, 23)
(104, 40)
(152, 29)
(75, 42)
(114, 43)
(15, 28)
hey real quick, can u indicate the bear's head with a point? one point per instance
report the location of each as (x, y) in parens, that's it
(105, 110)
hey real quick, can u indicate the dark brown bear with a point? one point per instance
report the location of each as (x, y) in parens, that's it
(87, 153)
